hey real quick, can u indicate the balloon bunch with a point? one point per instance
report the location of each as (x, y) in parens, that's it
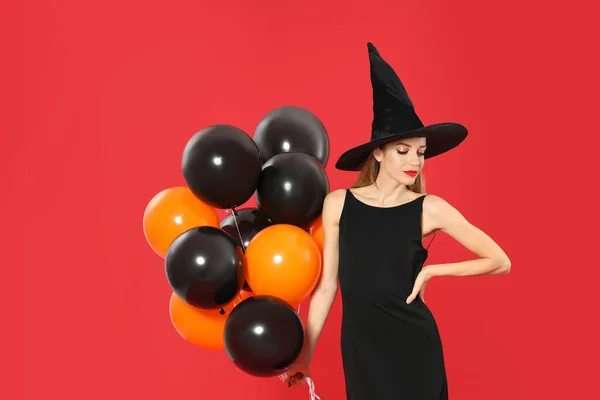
(236, 282)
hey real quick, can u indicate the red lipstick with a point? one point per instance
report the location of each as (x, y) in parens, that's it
(411, 173)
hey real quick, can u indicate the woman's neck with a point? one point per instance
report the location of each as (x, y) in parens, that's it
(389, 190)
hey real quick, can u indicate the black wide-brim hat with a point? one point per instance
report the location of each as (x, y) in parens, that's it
(394, 118)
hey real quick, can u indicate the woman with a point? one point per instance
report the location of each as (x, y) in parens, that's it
(391, 348)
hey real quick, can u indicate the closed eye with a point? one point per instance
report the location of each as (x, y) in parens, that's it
(406, 152)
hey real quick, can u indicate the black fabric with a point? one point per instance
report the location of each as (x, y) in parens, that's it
(393, 110)
(394, 118)
(390, 350)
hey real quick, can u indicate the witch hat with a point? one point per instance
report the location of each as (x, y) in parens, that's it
(394, 118)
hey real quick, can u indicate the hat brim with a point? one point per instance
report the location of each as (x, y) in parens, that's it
(440, 138)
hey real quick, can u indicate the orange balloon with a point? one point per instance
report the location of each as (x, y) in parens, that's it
(316, 231)
(283, 261)
(241, 296)
(172, 212)
(202, 328)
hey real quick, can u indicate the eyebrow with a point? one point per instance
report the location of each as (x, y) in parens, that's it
(408, 145)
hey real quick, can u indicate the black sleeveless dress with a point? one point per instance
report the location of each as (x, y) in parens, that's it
(390, 350)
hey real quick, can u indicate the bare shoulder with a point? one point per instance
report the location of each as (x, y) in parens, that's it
(333, 205)
(336, 195)
(433, 204)
(440, 211)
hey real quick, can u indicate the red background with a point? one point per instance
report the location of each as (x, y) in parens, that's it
(99, 99)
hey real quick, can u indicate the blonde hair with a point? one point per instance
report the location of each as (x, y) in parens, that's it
(370, 170)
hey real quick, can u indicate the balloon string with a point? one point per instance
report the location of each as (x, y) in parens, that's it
(235, 214)
(311, 389)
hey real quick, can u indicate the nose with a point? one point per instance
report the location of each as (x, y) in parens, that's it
(414, 159)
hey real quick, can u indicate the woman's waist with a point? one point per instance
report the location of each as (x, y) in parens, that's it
(364, 314)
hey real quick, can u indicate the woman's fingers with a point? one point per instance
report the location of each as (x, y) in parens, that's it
(296, 379)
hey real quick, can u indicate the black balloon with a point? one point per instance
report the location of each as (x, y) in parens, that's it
(292, 129)
(249, 220)
(291, 189)
(221, 165)
(263, 336)
(205, 267)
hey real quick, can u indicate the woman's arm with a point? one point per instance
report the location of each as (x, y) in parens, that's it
(441, 216)
(444, 217)
(326, 290)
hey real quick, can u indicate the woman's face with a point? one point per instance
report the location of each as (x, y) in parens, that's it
(403, 159)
